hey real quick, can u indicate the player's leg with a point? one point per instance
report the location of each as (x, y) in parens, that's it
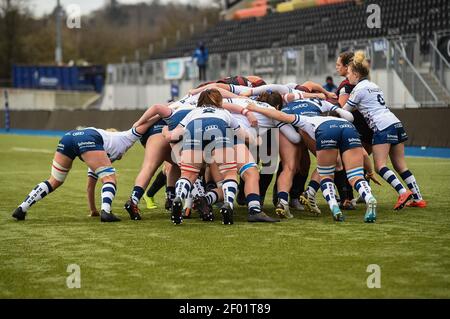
(397, 155)
(60, 168)
(380, 156)
(353, 160)
(326, 163)
(224, 156)
(284, 182)
(156, 151)
(191, 163)
(100, 164)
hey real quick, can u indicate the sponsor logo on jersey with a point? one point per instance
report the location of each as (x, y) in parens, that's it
(211, 127)
(354, 140)
(77, 133)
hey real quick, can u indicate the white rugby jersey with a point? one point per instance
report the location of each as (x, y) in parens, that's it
(187, 100)
(264, 121)
(210, 112)
(117, 143)
(368, 98)
(309, 124)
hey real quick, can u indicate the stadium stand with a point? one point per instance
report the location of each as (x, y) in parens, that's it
(326, 23)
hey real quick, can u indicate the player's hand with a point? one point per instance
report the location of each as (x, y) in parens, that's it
(331, 95)
(251, 107)
(371, 176)
(94, 213)
(252, 119)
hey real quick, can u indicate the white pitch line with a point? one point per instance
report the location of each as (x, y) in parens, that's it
(32, 150)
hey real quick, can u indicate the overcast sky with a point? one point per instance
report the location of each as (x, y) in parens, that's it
(40, 7)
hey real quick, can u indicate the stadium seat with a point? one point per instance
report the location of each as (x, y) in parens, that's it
(329, 21)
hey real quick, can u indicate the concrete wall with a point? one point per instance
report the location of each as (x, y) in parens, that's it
(425, 126)
(23, 99)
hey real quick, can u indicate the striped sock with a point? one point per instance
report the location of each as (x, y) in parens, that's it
(189, 200)
(363, 188)
(198, 189)
(389, 176)
(253, 203)
(329, 192)
(137, 194)
(108, 193)
(229, 187)
(311, 191)
(283, 197)
(182, 188)
(212, 197)
(410, 181)
(39, 192)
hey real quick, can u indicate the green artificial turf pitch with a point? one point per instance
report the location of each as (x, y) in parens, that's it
(306, 257)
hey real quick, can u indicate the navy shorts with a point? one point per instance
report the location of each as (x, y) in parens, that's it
(76, 142)
(393, 134)
(152, 130)
(203, 132)
(337, 135)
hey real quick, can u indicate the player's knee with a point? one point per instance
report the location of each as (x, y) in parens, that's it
(106, 174)
(58, 174)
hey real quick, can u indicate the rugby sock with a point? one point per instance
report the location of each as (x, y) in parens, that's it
(158, 183)
(283, 197)
(137, 194)
(229, 187)
(189, 200)
(198, 189)
(254, 203)
(340, 180)
(295, 192)
(182, 188)
(212, 197)
(363, 188)
(39, 192)
(410, 181)
(329, 192)
(390, 177)
(311, 191)
(108, 193)
(264, 183)
(299, 188)
(170, 192)
(135, 135)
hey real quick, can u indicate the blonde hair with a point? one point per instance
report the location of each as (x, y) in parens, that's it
(360, 64)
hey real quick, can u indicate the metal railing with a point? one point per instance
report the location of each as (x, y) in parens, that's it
(440, 67)
(273, 63)
(412, 79)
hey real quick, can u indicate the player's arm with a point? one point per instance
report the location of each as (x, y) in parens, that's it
(235, 108)
(158, 109)
(280, 88)
(289, 97)
(315, 87)
(209, 86)
(291, 134)
(272, 113)
(90, 190)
